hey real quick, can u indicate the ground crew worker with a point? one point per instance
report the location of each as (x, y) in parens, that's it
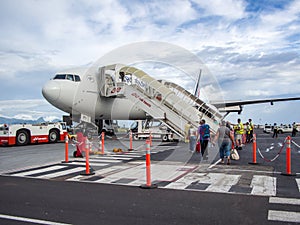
(251, 129)
(275, 131)
(248, 137)
(239, 134)
(294, 130)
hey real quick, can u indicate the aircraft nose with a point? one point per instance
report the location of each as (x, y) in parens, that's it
(51, 90)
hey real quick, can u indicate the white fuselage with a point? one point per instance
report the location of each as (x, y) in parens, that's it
(83, 97)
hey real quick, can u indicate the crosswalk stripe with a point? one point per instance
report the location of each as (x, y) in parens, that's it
(115, 157)
(32, 172)
(222, 183)
(91, 164)
(263, 185)
(284, 216)
(106, 160)
(136, 155)
(62, 173)
(279, 200)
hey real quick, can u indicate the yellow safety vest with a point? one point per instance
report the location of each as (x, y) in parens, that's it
(240, 129)
(251, 126)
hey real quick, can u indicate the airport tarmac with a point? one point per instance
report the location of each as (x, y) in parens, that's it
(173, 169)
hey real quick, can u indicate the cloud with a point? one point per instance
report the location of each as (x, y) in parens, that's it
(248, 46)
(230, 9)
(29, 108)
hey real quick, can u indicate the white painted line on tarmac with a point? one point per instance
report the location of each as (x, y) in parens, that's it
(62, 173)
(263, 185)
(115, 157)
(298, 183)
(91, 164)
(222, 182)
(133, 154)
(106, 160)
(30, 220)
(284, 216)
(290, 201)
(185, 181)
(32, 172)
(213, 165)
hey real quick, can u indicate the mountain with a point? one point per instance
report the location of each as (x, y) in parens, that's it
(20, 121)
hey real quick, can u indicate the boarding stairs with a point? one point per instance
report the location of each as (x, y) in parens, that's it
(165, 101)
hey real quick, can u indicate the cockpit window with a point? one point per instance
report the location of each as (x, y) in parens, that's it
(77, 78)
(59, 77)
(70, 77)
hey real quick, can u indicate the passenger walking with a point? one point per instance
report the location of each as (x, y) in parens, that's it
(186, 132)
(204, 136)
(225, 139)
(275, 131)
(192, 136)
(294, 130)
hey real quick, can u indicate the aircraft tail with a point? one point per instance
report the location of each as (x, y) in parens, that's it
(197, 87)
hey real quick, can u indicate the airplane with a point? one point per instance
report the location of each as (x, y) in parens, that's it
(121, 92)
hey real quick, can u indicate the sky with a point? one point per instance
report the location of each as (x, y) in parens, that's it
(250, 47)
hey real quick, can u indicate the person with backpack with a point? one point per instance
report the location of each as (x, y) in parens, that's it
(204, 136)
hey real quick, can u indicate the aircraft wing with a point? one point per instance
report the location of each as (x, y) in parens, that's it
(236, 106)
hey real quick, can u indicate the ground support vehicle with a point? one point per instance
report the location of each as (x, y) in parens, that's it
(23, 134)
(142, 130)
(285, 129)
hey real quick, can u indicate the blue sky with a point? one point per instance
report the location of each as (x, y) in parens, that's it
(250, 47)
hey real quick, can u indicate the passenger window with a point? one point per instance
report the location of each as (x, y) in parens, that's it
(70, 77)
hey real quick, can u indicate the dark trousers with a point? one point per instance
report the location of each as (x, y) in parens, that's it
(204, 152)
(294, 132)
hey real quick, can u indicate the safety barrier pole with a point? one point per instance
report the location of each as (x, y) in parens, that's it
(66, 149)
(254, 151)
(288, 158)
(148, 184)
(87, 158)
(130, 141)
(102, 144)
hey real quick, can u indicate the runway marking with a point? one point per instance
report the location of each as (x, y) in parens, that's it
(30, 220)
(39, 171)
(61, 173)
(263, 185)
